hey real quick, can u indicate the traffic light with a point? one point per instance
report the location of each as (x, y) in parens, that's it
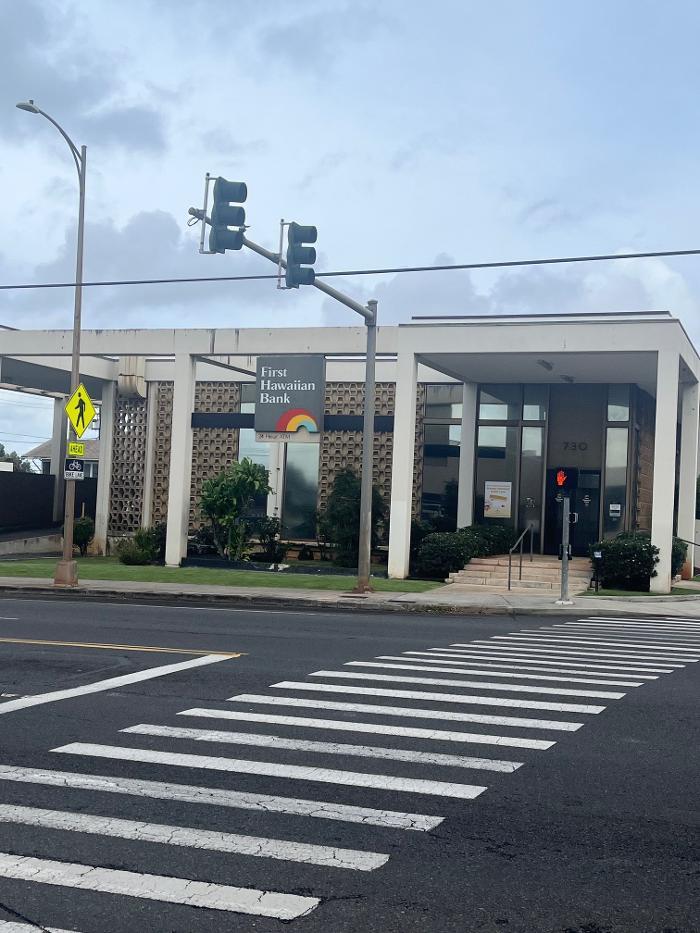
(297, 253)
(226, 212)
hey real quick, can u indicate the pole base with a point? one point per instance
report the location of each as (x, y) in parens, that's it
(362, 588)
(66, 573)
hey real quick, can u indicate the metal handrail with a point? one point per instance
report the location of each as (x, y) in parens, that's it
(510, 552)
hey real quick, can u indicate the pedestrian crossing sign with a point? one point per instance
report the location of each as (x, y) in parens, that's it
(80, 410)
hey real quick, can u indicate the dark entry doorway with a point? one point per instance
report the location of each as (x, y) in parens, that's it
(585, 503)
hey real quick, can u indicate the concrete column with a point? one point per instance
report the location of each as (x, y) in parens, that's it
(180, 477)
(59, 434)
(467, 458)
(690, 412)
(104, 469)
(664, 465)
(276, 471)
(151, 425)
(402, 465)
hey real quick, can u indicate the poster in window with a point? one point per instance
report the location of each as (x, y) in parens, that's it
(497, 499)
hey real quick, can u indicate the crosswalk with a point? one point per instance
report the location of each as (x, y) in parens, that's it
(328, 775)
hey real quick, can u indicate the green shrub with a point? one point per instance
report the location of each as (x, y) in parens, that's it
(487, 540)
(129, 552)
(679, 552)
(441, 553)
(340, 521)
(83, 533)
(268, 531)
(628, 561)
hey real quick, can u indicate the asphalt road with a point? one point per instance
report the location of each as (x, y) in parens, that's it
(532, 805)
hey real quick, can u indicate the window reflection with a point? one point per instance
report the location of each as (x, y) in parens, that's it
(441, 474)
(615, 500)
(618, 403)
(300, 491)
(500, 402)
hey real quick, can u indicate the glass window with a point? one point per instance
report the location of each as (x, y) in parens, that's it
(249, 447)
(443, 402)
(615, 498)
(441, 474)
(500, 402)
(248, 398)
(618, 403)
(497, 459)
(300, 491)
(535, 402)
(531, 462)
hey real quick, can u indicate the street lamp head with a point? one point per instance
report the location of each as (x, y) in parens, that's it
(28, 106)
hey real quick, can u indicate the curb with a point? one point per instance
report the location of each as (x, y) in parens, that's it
(349, 604)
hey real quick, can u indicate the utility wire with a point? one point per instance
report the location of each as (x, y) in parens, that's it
(389, 270)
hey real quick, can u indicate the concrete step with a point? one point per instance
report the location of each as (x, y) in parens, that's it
(524, 584)
(551, 590)
(529, 571)
(543, 562)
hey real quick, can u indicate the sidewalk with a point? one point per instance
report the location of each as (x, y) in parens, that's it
(450, 599)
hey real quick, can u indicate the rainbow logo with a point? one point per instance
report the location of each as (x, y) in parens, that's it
(296, 418)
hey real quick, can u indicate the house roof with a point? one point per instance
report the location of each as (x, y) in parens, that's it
(43, 451)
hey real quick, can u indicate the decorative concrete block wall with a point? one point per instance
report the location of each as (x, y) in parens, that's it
(128, 465)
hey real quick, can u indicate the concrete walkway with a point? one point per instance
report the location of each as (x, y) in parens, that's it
(451, 599)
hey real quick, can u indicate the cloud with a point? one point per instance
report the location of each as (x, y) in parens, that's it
(325, 166)
(629, 285)
(151, 245)
(45, 56)
(314, 41)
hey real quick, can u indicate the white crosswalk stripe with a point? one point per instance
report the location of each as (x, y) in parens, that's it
(554, 643)
(77, 877)
(409, 712)
(324, 748)
(538, 663)
(481, 700)
(231, 843)
(275, 769)
(556, 669)
(464, 699)
(416, 668)
(9, 926)
(371, 728)
(565, 653)
(213, 796)
(582, 640)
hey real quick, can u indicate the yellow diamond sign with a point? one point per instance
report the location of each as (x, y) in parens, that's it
(80, 410)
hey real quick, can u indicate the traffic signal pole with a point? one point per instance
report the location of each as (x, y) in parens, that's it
(369, 313)
(565, 528)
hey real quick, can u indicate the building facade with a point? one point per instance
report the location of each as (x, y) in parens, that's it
(475, 419)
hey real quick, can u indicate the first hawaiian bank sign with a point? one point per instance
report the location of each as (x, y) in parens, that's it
(289, 398)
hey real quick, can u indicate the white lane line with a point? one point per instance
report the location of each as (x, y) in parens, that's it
(324, 748)
(571, 638)
(562, 654)
(495, 670)
(276, 770)
(437, 697)
(111, 683)
(9, 926)
(407, 712)
(9, 618)
(371, 728)
(516, 662)
(212, 796)
(416, 668)
(74, 876)
(189, 838)
(443, 682)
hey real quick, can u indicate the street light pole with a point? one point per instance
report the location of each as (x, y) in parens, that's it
(66, 573)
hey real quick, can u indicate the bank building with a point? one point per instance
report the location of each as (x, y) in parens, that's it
(475, 417)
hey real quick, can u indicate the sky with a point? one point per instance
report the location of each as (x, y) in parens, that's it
(409, 134)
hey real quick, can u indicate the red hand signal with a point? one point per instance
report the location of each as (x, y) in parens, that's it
(561, 478)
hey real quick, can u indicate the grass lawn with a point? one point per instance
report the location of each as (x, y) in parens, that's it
(109, 568)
